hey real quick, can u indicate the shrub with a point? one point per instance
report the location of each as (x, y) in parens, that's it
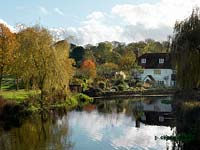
(139, 84)
(114, 88)
(94, 92)
(119, 81)
(83, 99)
(131, 83)
(121, 87)
(72, 101)
(102, 85)
(79, 100)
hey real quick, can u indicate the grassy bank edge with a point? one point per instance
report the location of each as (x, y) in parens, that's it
(29, 101)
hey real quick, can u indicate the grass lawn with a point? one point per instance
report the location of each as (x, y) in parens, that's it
(8, 91)
(19, 95)
(8, 84)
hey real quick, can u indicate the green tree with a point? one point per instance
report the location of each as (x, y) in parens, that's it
(153, 47)
(186, 50)
(77, 54)
(106, 70)
(103, 52)
(127, 61)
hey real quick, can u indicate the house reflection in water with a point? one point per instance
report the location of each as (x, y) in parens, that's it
(153, 112)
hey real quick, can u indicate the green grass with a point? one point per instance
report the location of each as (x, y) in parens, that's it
(19, 95)
(8, 83)
(8, 91)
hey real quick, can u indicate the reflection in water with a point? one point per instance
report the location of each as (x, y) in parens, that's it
(115, 124)
(37, 134)
(188, 129)
(154, 112)
(114, 131)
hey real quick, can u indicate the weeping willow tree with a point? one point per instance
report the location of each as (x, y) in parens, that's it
(186, 51)
(43, 62)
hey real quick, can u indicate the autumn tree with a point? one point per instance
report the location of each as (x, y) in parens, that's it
(7, 47)
(186, 51)
(127, 61)
(44, 63)
(88, 69)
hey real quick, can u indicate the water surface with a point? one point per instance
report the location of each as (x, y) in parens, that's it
(135, 124)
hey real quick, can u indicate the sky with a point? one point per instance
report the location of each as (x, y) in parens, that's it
(92, 21)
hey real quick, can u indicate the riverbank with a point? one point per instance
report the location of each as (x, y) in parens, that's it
(132, 94)
(13, 111)
(176, 93)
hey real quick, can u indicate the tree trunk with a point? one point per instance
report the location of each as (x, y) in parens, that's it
(27, 85)
(1, 77)
(17, 83)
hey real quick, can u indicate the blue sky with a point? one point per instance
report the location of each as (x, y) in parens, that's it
(92, 21)
(56, 13)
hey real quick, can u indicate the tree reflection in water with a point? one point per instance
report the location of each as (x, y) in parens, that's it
(152, 119)
(186, 136)
(39, 132)
(188, 128)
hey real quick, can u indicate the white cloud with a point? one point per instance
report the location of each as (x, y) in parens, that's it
(127, 22)
(162, 13)
(57, 10)
(12, 29)
(43, 10)
(96, 28)
(93, 30)
(130, 23)
(118, 130)
(95, 15)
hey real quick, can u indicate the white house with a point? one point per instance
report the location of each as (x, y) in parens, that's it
(157, 69)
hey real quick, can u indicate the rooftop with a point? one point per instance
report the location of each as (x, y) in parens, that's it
(155, 61)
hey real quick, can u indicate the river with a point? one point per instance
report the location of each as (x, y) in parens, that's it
(133, 124)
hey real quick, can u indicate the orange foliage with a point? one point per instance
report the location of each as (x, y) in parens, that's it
(88, 68)
(7, 45)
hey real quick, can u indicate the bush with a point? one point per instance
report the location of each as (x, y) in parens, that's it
(94, 92)
(114, 88)
(131, 83)
(79, 100)
(102, 85)
(121, 87)
(83, 99)
(139, 84)
(118, 82)
(72, 101)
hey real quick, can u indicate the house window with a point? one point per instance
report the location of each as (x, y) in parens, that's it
(161, 60)
(157, 71)
(143, 60)
(161, 82)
